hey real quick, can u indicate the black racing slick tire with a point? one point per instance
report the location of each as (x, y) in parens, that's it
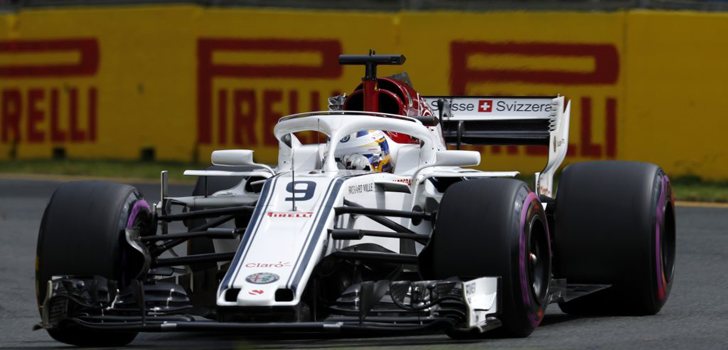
(495, 227)
(615, 225)
(82, 233)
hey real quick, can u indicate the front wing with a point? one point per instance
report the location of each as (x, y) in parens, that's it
(379, 307)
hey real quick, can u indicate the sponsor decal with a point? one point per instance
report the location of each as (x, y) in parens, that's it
(406, 181)
(62, 112)
(515, 106)
(485, 106)
(277, 265)
(465, 79)
(456, 105)
(262, 278)
(604, 56)
(256, 292)
(505, 105)
(361, 188)
(224, 112)
(290, 214)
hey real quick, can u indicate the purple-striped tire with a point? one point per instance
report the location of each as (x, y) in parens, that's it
(495, 227)
(82, 234)
(615, 225)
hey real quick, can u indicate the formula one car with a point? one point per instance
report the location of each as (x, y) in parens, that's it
(368, 224)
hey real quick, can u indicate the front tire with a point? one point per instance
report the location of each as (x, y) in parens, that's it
(82, 234)
(495, 227)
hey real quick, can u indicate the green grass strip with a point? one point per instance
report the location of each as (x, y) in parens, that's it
(115, 169)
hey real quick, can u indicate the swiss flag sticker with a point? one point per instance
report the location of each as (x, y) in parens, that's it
(485, 106)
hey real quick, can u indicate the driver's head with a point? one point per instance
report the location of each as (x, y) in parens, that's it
(365, 150)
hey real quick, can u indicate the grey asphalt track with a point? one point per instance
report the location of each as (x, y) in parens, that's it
(695, 317)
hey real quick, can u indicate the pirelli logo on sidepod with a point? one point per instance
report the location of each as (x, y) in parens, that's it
(32, 111)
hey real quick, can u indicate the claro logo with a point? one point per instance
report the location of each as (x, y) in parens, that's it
(604, 71)
(230, 114)
(39, 112)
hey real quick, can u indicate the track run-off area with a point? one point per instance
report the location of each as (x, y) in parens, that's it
(695, 317)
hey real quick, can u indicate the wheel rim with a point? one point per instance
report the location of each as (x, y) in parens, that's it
(135, 216)
(667, 249)
(538, 259)
(665, 241)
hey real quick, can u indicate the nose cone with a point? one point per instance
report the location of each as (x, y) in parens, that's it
(259, 289)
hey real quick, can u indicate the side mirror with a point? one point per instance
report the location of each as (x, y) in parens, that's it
(457, 158)
(233, 157)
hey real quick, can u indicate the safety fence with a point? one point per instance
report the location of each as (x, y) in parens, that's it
(176, 82)
(396, 5)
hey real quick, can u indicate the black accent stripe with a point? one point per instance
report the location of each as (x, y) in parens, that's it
(310, 231)
(246, 248)
(327, 210)
(265, 196)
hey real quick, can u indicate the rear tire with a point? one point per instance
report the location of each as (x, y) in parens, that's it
(82, 234)
(491, 227)
(615, 224)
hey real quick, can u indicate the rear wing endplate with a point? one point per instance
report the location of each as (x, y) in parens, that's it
(487, 120)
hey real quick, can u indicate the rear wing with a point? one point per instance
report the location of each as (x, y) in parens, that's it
(508, 121)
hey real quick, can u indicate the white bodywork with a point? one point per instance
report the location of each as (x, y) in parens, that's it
(284, 240)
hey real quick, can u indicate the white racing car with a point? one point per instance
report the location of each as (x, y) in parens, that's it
(368, 223)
